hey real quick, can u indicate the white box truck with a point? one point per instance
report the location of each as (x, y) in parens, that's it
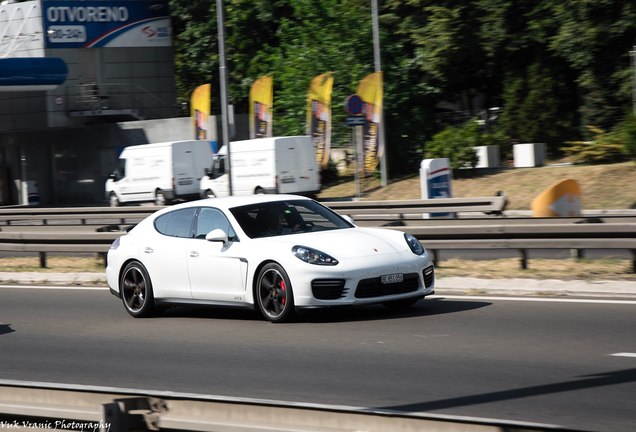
(159, 172)
(285, 165)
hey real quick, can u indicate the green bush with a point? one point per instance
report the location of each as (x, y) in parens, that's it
(606, 147)
(457, 142)
(627, 130)
(330, 174)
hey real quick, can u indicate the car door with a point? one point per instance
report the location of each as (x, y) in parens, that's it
(164, 254)
(217, 271)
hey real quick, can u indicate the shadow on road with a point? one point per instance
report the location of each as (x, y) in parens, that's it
(584, 382)
(348, 314)
(379, 312)
(5, 328)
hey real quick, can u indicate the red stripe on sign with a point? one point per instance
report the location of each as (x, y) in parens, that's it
(439, 170)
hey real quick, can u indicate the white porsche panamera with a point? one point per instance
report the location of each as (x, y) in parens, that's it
(273, 253)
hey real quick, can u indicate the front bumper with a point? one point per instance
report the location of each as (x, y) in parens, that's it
(359, 281)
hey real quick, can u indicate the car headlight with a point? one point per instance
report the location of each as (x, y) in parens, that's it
(414, 244)
(313, 256)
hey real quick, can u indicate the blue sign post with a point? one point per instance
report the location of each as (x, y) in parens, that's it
(354, 106)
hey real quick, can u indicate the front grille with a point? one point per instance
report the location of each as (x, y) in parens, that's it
(328, 289)
(373, 287)
(429, 276)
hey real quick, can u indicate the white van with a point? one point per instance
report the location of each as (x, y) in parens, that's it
(159, 172)
(285, 165)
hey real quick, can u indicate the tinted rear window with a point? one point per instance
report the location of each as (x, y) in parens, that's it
(177, 223)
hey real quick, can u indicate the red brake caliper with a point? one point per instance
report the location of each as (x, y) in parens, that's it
(282, 286)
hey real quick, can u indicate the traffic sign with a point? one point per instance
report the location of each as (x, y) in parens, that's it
(561, 199)
(356, 120)
(353, 105)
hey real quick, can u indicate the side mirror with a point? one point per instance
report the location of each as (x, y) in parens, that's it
(217, 235)
(112, 175)
(208, 172)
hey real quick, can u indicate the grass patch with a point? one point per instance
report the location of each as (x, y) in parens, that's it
(54, 264)
(565, 269)
(602, 186)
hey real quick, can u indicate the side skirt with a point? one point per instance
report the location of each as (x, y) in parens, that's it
(192, 302)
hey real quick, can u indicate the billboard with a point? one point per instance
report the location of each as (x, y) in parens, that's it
(319, 116)
(370, 90)
(261, 106)
(108, 23)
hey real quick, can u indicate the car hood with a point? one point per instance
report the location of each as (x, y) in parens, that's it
(349, 242)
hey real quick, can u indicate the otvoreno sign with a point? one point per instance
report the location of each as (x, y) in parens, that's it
(95, 24)
(436, 179)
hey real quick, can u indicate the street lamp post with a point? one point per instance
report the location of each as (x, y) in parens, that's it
(378, 68)
(220, 23)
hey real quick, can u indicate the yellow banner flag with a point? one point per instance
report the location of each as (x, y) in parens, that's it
(319, 116)
(261, 107)
(200, 112)
(370, 91)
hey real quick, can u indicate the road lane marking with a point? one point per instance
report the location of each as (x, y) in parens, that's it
(624, 355)
(532, 299)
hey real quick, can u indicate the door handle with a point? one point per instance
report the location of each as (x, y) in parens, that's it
(194, 254)
(148, 250)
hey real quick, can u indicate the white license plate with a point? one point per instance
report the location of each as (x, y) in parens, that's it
(390, 279)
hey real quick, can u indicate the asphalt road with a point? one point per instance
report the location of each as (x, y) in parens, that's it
(542, 362)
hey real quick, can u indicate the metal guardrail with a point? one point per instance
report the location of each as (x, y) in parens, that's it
(405, 208)
(522, 237)
(73, 215)
(121, 410)
(481, 234)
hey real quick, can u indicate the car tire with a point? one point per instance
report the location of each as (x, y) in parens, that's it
(136, 291)
(113, 200)
(274, 294)
(160, 198)
(259, 191)
(400, 304)
(209, 194)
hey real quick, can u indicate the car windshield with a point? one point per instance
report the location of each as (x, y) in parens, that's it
(278, 218)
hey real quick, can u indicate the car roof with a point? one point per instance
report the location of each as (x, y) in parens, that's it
(237, 201)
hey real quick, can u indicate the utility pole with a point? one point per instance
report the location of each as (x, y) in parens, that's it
(378, 68)
(220, 23)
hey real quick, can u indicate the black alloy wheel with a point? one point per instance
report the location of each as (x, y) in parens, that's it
(136, 290)
(274, 294)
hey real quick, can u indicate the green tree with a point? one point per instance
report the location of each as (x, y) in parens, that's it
(595, 39)
(540, 107)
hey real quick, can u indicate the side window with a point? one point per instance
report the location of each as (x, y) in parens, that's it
(210, 219)
(120, 172)
(177, 223)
